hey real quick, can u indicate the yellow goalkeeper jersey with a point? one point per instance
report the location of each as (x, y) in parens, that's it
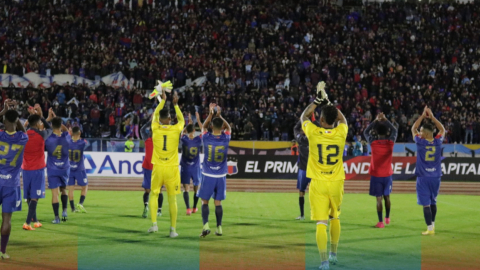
(166, 138)
(325, 158)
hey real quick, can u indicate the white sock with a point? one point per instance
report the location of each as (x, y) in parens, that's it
(154, 223)
(430, 227)
(433, 224)
(172, 229)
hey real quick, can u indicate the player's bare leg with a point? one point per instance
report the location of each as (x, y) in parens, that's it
(145, 203)
(301, 203)
(195, 199)
(71, 198)
(322, 239)
(205, 213)
(5, 232)
(380, 223)
(83, 194)
(55, 205)
(64, 198)
(334, 239)
(186, 189)
(387, 209)
(219, 215)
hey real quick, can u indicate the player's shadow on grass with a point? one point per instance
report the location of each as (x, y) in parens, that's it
(245, 224)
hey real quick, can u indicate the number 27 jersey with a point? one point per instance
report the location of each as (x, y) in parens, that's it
(215, 154)
(325, 160)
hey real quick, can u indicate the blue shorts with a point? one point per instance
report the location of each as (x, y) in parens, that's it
(147, 179)
(191, 172)
(34, 184)
(57, 178)
(10, 199)
(213, 187)
(79, 176)
(427, 190)
(380, 186)
(302, 180)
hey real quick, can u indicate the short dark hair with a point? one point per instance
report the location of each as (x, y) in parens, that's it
(33, 120)
(428, 126)
(190, 128)
(164, 114)
(11, 116)
(217, 123)
(57, 122)
(382, 129)
(75, 130)
(330, 114)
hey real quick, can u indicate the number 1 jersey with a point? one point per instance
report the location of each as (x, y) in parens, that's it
(215, 154)
(429, 157)
(325, 160)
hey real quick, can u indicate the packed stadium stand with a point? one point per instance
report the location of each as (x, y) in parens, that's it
(260, 61)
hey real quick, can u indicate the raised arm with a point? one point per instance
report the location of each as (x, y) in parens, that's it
(393, 131)
(199, 121)
(367, 131)
(341, 118)
(440, 127)
(299, 136)
(307, 113)
(156, 113)
(225, 123)
(209, 118)
(417, 124)
(178, 112)
(20, 127)
(143, 130)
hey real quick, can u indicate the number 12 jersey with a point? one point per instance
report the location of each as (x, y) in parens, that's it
(325, 160)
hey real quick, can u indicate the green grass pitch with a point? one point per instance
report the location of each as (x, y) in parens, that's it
(259, 233)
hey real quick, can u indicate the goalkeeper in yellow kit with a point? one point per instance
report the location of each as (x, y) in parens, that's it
(325, 168)
(165, 172)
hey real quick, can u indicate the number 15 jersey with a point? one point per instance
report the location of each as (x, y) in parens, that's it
(325, 160)
(429, 157)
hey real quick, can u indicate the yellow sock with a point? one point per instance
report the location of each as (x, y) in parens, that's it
(334, 234)
(153, 204)
(172, 201)
(322, 240)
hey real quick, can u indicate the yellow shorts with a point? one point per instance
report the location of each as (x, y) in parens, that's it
(168, 176)
(325, 199)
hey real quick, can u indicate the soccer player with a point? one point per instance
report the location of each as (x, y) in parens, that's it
(147, 165)
(12, 143)
(166, 138)
(58, 166)
(381, 164)
(325, 168)
(302, 179)
(34, 163)
(190, 163)
(215, 168)
(77, 170)
(429, 166)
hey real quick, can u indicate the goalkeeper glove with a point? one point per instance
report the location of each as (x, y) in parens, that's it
(322, 97)
(160, 87)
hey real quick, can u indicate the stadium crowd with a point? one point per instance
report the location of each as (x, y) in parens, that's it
(262, 61)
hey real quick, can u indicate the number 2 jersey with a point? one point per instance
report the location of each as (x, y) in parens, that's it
(190, 151)
(76, 155)
(57, 148)
(11, 157)
(429, 157)
(215, 154)
(325, 160)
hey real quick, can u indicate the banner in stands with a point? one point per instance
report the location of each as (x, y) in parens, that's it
(356, 168)
(281, 167)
